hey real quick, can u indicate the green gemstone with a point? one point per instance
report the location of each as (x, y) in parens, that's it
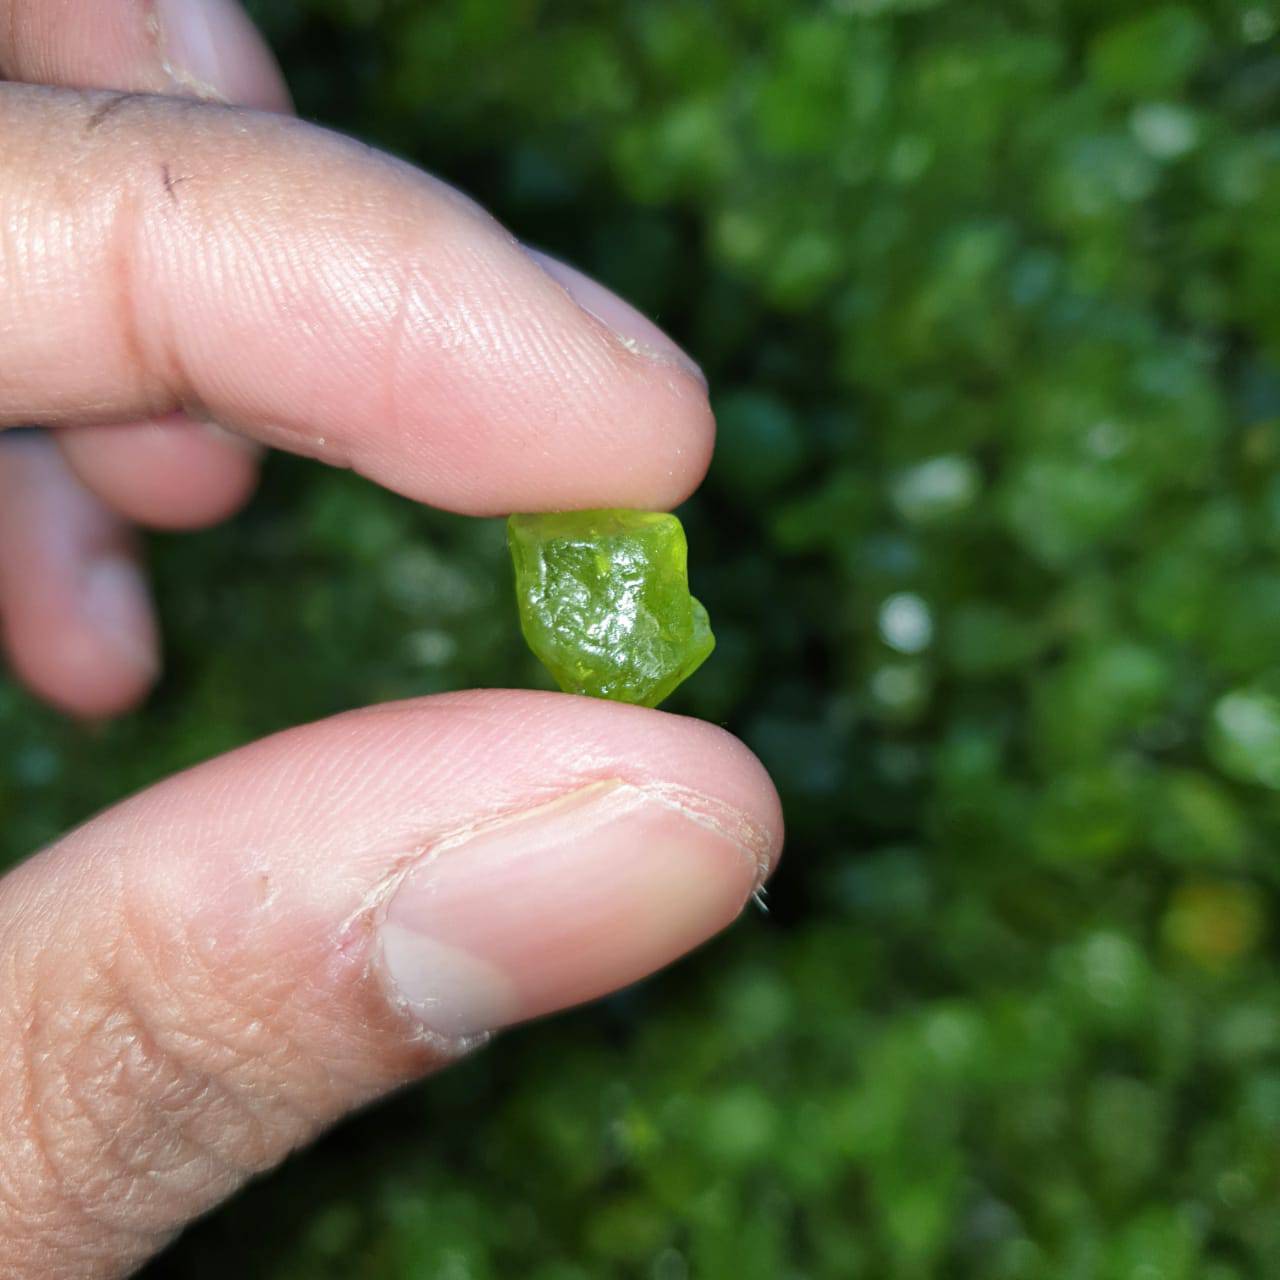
(605, 604)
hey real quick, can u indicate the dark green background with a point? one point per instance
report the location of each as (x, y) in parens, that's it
(989, 296)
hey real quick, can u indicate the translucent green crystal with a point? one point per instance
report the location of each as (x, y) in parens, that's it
(605, 604)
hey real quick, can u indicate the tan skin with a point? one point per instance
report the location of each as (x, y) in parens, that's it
(203, 978)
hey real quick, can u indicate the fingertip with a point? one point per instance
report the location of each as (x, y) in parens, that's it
(645, 836)
(83, 673)
(632, 328)
(519, 733)
(211, 49)
(205, 49)
(76, 617)
(172, 473)
(558, 904)
(667, 373)
(745, 787)
(671, 398)
(97, 656)
(691, 455)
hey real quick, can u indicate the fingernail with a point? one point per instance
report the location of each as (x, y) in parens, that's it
(557, 906)
(117, 603)
(634, 330)
(194, 38)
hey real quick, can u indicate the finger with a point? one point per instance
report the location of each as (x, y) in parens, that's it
(169, 474)
(75, 614)
(155, 474)
(191, 48)
(324, 299)
(205, 976)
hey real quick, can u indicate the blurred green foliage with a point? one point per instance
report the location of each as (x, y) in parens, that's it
(989, 292)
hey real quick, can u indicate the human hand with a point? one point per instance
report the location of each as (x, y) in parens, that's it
(204, 977)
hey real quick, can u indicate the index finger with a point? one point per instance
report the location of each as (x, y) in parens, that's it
(170, 472)
(325, 299)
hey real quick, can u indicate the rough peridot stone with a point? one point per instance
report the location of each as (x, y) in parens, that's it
(605, 604)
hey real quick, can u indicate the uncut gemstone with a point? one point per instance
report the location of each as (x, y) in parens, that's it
(605, 604)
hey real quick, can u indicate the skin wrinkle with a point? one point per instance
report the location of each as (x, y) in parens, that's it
(388, 286)
(457, 324)
(218, 1078)
(180, 384)
(332, 1082)
(461, 747)
(63, 1237)
(297, 1125)
(271, 279)
(195, 1096)
(235, 246)
(121, 263)
(133, 1071)
(329, 774)
(233, 1033)
(539, 345)
(140, 1079)
(394, 347)
(132, 228)
(127, 1077)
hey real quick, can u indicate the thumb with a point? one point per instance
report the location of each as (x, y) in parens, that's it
(202, 978)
